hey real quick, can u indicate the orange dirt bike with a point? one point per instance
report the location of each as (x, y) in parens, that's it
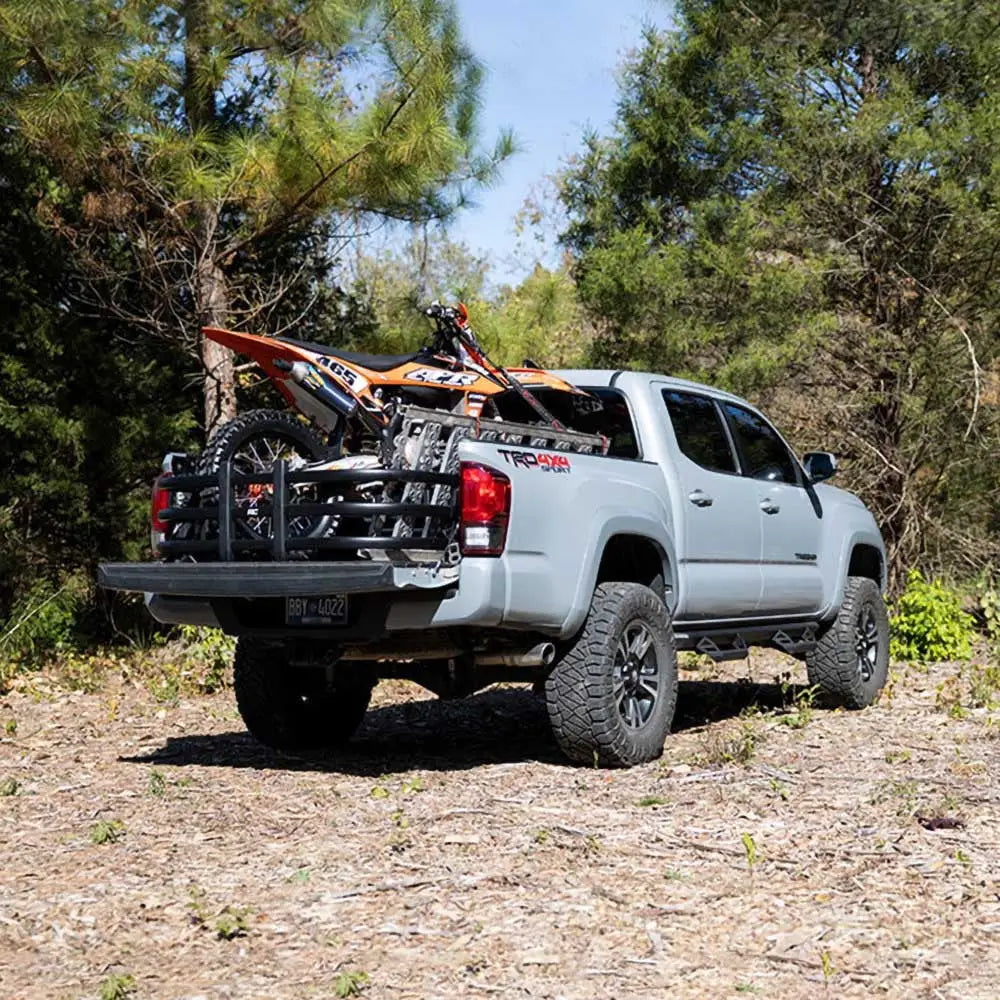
(371, 411)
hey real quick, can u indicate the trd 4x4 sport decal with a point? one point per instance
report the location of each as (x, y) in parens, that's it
(546, 461)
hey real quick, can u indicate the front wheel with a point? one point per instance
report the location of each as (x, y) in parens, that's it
(611, 698)
(296, 708)
(252, 443)
(851, 660)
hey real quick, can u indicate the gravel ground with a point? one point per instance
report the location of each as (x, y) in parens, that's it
(452, 853)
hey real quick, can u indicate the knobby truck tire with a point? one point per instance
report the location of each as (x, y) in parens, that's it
(834, 665)
(293, 708)
(580, 696)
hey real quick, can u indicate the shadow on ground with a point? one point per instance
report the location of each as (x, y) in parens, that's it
(498, 726)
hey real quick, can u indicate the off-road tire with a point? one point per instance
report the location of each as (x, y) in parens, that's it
(584, 691)
(296, 708)
(263, 424)
(841, 664)
(254, 423)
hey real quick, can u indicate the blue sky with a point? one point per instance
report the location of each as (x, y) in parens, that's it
(551, 73)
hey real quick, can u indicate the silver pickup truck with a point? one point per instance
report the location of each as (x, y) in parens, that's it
(583, 573)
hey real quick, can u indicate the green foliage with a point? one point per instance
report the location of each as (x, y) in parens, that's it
(9, 787)
(232, 923)
(84, 415)
(350, 983)
(211, 651)
(106, 831)
(118, 987)
(928, 623)
(799, 202)
(44, 619)
(227, 923)
(653, 800)
(192, 143)
(541, 319)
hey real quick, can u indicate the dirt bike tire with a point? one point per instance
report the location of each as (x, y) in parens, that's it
(261, 425)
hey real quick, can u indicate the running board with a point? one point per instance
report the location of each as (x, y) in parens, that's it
(734, 643)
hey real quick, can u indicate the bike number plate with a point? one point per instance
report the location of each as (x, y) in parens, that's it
(330, 609)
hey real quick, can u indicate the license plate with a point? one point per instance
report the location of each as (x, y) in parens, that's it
(330, 609)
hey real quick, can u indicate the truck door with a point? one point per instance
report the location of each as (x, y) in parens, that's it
(790, 515)
(720, 543)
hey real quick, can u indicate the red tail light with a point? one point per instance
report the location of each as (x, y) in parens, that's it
(485, 510)
(161, 500)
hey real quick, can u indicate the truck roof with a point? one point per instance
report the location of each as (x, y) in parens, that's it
(623, 378)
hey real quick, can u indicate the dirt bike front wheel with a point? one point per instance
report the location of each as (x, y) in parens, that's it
(252, 443)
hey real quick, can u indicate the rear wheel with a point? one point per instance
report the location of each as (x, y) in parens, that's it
(611, 698)
(297, 708)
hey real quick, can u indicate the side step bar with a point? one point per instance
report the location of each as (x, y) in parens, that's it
(733, 642)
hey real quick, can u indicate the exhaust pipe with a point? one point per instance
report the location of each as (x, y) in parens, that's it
(538, 656)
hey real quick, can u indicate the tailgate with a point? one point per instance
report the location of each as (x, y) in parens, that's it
(272, 579)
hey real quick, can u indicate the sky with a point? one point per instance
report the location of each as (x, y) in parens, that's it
(550, 74)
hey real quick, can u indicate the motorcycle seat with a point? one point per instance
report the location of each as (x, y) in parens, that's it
(375, 362)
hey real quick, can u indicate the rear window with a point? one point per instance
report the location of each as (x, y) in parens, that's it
(607, 414)
(600, 411)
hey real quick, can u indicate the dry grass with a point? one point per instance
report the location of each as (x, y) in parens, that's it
(451, 853)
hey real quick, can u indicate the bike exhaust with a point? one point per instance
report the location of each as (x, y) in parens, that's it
(538, 656)
(318, 387)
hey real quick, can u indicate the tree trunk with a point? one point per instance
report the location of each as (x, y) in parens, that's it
(210, 291)
(220, 380)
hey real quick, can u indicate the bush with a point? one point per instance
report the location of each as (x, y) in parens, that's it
(928, 623)
(45, 620)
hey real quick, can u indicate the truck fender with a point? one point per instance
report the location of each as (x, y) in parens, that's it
(611, 525)
(837, 574)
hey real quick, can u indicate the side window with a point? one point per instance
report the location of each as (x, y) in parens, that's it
(700, 433)
(764, 453)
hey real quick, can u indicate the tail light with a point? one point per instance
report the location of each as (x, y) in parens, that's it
(484, 510)
(174, 463)
(161, 500)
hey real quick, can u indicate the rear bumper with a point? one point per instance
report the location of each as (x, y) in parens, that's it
(270, 579)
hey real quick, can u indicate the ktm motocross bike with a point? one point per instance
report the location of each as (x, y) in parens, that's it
(354, 401)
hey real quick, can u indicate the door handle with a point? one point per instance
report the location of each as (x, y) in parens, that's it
(768, 506)
(700, 498)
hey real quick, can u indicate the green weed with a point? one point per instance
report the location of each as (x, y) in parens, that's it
(653, 800)
(107, 831)
(228, 923)
(118, 987)
(904, 794)
(826, 964)
(350, 984)
(780, 789)
(232, 923)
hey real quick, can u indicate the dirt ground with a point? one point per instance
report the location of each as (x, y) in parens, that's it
(452, 853)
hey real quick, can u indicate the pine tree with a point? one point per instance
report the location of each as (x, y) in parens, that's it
(801, 200)
(184, 136)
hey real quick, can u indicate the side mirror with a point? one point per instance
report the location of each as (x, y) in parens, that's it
(819, 465)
